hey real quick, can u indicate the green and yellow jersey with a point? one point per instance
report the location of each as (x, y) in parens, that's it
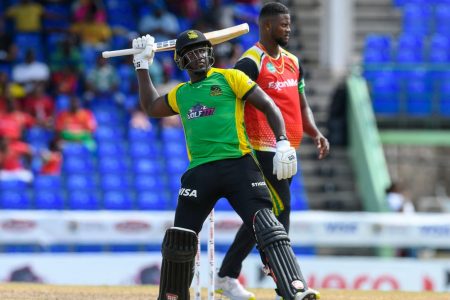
(212, 114)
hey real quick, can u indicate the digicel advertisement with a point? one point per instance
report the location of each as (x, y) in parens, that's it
(144, 268)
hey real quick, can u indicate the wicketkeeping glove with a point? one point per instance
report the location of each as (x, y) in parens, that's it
(285, 160)
(143, 59)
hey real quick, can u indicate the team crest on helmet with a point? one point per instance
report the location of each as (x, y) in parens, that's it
(192, 34)
(215, 91)
(200, 110)
(270, 67)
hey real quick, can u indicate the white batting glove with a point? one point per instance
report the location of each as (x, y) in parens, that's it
(285, 160)
(143, 59)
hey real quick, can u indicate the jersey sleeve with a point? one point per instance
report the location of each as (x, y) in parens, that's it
(172, 98)
(249, 67)
(240, 83)
(301, 78)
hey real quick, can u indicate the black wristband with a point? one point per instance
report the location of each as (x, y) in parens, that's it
(282, 138)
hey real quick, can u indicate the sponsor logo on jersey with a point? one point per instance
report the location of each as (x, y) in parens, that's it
(187, 192)
(200, 110)
(215, 91)
(256, 184)
(270, 67)
(278, 85)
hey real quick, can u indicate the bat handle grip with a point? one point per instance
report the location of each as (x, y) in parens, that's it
(123, 52)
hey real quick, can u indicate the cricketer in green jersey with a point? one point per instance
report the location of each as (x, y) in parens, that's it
(211, 107)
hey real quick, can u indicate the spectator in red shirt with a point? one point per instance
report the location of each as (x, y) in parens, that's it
(13, 122)
(40, 106)
(76, 124)
(52, 159)
(12, 154)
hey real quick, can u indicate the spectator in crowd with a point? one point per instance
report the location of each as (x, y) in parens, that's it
(31, 71)
(92, 34)
(66, 54)
(12, 156)
(13, 121)
(397, 199)
(162, 24)
(66, 81)
(76, 124)
(40, 106)
(102, 81)
(81, 8)
(27, 16)
(52, 159)
(9, 89)
(8, 48)
(139, 119)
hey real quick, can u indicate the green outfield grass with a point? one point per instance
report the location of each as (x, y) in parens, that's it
(17, 291)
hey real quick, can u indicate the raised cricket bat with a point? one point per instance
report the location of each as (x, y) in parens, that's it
(215, 37)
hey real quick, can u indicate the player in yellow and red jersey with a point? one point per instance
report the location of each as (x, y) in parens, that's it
(280, 74)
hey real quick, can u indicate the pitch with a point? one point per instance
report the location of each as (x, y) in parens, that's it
(18, 291)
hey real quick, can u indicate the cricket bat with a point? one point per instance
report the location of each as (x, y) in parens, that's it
(215, 37)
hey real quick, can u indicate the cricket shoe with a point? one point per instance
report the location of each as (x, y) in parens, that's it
(232, 288)
(309, 294)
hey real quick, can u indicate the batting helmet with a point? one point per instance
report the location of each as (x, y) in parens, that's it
(185, 41)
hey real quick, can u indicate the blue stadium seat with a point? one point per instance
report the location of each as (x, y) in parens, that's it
(113, 182)
(417, 19)
(442, 19)
(140, 135)
(105, 133)
(444, 97)
(110, 149)
(83, 200)
(174, 181)
(409, 56)
(385, 95)
(29, 41)
(145, 183)
(375, 56)
(147, 166)
(176, 166)
(172, 134)
(10, 199)
(12, 185)
(175, 149)
(152, 200)
(380, 42)
(111, 165)
(47, 182)
(77, 165)
(79, 182)
(117, 200)
(143, 149)
(46, 199)
(38, 134)
(75, 149)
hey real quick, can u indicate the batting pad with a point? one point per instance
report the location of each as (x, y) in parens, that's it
(177, 271)
(276, 247)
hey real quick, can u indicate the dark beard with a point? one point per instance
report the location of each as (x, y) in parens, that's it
(281, 42)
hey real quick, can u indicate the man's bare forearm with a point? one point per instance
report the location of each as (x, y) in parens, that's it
(147, 91)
